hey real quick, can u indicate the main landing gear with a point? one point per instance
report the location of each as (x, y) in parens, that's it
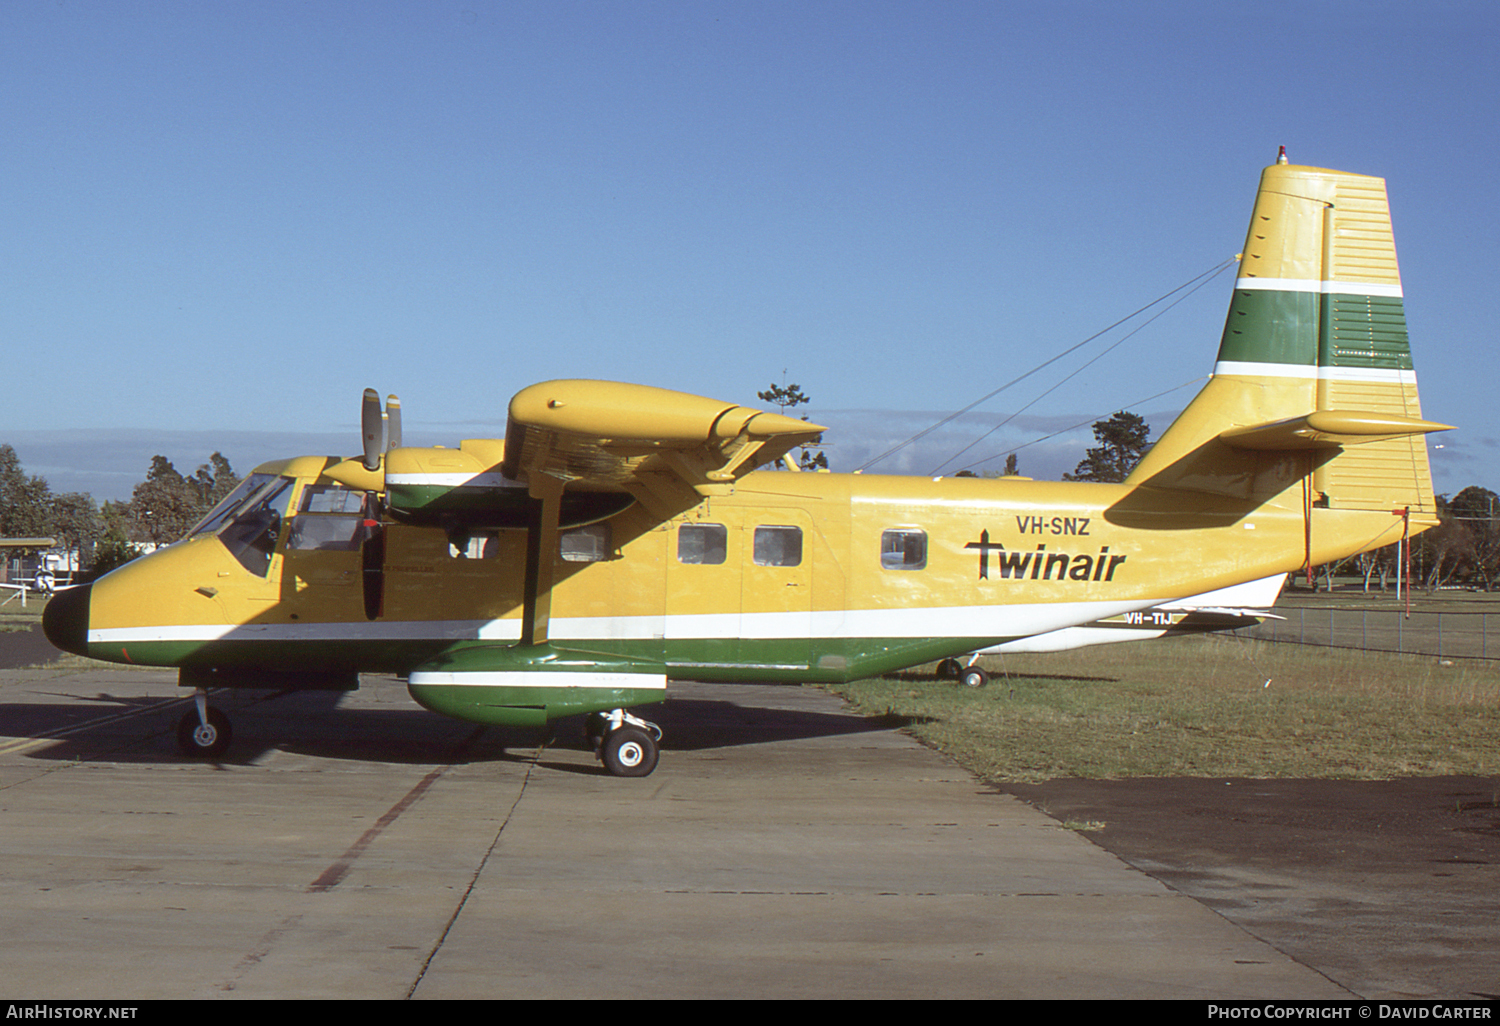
(626, 744)
(968, 674)
(203, 732)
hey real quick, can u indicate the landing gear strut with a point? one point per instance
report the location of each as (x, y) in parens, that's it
(203, 732)
(969, 674)
(626, 744)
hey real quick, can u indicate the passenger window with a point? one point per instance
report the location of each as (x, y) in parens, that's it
(903, 549)
(329, 518)
(778, 546)
(702, 543)
(474, 544)
(585, 544)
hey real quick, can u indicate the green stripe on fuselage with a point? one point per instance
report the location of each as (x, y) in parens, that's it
(755, 660)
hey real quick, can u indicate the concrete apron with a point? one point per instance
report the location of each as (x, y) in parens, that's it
(783, 848)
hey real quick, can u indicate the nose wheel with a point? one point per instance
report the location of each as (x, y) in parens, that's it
(626, 744)
(203, 732)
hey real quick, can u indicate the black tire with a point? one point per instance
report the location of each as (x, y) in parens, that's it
(974, 677)
(629, 752)
(202, 742)
(950, 669)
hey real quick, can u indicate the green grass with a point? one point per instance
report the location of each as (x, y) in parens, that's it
(1202, 707)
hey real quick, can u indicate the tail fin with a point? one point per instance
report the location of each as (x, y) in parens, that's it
(1314, 374)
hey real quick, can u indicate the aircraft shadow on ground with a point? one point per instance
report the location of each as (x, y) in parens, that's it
(141, 729)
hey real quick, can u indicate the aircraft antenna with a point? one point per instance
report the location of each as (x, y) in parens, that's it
(1077, 371)
(1092, 418)
(1046, 363)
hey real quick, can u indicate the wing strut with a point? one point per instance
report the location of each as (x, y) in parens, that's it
(543, 516)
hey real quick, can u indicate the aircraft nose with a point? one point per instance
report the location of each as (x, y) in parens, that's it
(65, 621)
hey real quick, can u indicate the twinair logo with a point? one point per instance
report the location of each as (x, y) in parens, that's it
(1041, 565)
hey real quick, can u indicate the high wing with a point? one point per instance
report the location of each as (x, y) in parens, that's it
(599, 444)
(667, 449)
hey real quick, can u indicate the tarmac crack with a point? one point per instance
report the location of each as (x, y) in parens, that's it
(474, 880)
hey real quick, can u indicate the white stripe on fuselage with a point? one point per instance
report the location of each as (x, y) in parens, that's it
(998, 621)
(537, 678)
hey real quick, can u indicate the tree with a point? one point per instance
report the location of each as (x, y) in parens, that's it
(787, 397)
(214, 480)
(1382, 561)
(1479, 511)
(1011, 470)
(1438, 553)
(1123, 439)
(25, 502)
(76, 525)
(114, 547)
(165, 505)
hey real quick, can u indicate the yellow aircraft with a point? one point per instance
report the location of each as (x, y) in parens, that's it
(620, 536)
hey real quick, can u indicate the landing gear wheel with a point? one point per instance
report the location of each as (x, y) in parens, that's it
(629, 752)
(203, 740)
(949, 669)
(974, 677)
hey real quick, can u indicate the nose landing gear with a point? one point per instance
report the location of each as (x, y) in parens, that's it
(203, 732)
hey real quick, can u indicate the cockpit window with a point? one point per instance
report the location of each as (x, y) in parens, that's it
(231, 504)
(330, 518)
(249, 519)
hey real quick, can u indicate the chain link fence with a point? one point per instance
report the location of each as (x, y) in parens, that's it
(1448, 635)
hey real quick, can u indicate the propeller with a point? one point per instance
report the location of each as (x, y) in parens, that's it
(381, 430)
(392, 423)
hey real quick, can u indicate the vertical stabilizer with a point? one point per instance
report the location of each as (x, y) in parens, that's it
(1314, 373)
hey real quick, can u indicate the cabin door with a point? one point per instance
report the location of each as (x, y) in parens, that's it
(776, 591)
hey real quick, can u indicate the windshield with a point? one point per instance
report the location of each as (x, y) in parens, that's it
(232, 502)
(249, 519)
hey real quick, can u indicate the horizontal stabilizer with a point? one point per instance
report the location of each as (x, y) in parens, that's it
(1328, 429)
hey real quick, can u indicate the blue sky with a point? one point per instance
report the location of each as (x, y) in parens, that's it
(224, 220)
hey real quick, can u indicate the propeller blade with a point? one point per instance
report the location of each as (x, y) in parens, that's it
(393, 423)
(371, 426)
